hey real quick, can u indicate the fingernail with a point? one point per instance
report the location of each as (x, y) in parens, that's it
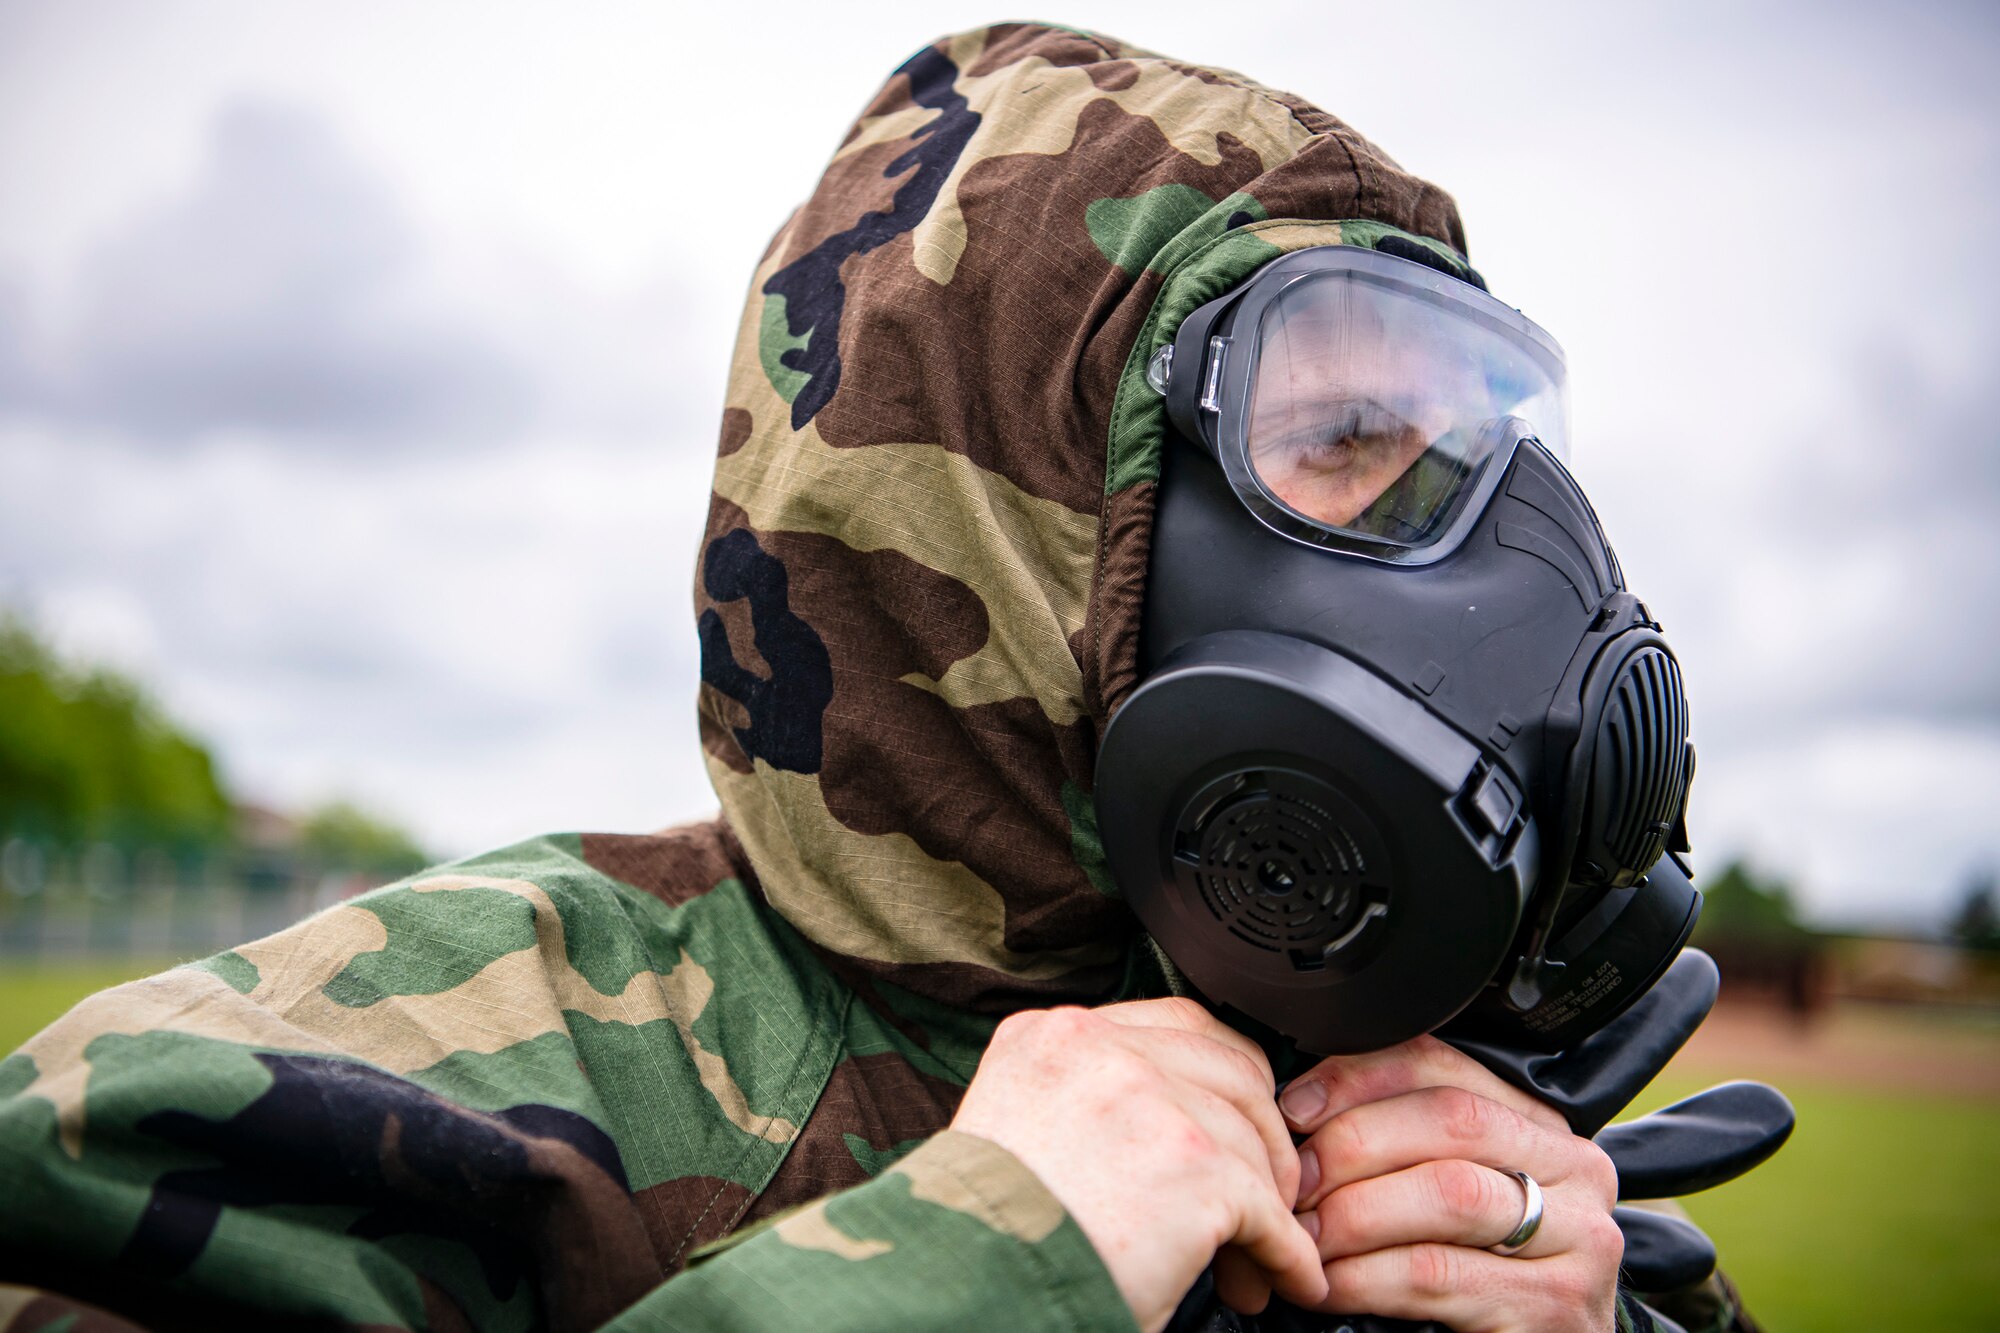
(1310, 1221)
(1303, 1100)
(1308, 1173)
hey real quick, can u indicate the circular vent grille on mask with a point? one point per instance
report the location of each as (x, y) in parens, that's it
(1640, 770)
(1282, 861)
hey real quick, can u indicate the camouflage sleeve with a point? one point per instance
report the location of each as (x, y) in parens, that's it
(959, 1234)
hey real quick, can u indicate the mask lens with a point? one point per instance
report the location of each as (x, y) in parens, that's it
(1370, 401)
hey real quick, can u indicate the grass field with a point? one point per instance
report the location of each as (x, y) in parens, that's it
(1882, 1213)
(32, 996)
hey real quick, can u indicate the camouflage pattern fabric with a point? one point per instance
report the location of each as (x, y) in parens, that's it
(698, 1079)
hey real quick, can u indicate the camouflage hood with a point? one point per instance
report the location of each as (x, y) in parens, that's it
(920, 585)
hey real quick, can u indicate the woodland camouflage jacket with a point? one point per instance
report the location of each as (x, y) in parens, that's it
(537, 1088)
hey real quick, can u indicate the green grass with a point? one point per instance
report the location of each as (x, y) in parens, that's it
(33, 995)
(1883, 1212)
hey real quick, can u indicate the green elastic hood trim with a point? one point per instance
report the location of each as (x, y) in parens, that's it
(1205, 260)
(1086, 844)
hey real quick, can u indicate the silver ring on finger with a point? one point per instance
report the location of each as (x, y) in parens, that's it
(1531, 1217)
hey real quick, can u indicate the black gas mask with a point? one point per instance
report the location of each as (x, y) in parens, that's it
(1406, 751)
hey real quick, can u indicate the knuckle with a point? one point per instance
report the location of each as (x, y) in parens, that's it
(1233, 1132)
(1464, 1116)
(1596, 1170)
(1464, 1190)
(1186, 1144)
(1291, 1172)
(1433, 1056)
(1249, 1183)
(1015, 1027)
(1261, 1061)
(1066, 1022)
(1349, 1221)
(1341, 1139)
(1435, 1271)
(1343, 1218)
(1123, 1074)
(1603, 1242)
(1346, 1285)
(1253, 1071)
(1185, 1014)
(1041, 1040)
(1037, 1027)
(1441, 1064)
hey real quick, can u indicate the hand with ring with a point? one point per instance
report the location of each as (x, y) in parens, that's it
(1437, 1191)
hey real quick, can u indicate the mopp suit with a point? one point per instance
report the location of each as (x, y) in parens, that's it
(698, 1080)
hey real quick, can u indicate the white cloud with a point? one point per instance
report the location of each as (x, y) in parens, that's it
(1878, 821)
(489, 653)
(283, 292)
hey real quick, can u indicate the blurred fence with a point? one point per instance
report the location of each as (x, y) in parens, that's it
(172, 923)
(101, 902)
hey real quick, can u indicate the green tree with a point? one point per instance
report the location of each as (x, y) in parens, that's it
(86, 755)
(1738, 905)
(341, 837)
(1976, 923)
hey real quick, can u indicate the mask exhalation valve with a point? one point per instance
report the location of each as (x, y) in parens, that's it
(1283, 862)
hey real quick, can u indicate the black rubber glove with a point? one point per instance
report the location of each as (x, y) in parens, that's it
(1693, 1145)
(1598, 1077)
(1698, 1143)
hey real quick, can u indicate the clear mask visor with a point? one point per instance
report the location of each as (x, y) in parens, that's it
(1372, 404)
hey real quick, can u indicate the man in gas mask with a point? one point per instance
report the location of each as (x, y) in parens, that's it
(718, 1077)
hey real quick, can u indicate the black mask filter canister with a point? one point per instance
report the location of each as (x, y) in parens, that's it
(1406, 752)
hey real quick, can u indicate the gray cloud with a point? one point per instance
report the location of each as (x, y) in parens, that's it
(1914, 477)
(14, 375)
(1883, 514)
(489, 656)
(278, 293)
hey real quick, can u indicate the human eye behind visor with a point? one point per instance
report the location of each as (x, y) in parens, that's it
(1368, 406)
(1339, 461)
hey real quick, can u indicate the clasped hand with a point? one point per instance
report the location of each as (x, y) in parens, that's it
(1157, 1127)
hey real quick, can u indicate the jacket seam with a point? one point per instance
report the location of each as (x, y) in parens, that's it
(1266, 95)
(809, 1049)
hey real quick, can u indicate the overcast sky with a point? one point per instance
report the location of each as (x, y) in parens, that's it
(360, 366)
